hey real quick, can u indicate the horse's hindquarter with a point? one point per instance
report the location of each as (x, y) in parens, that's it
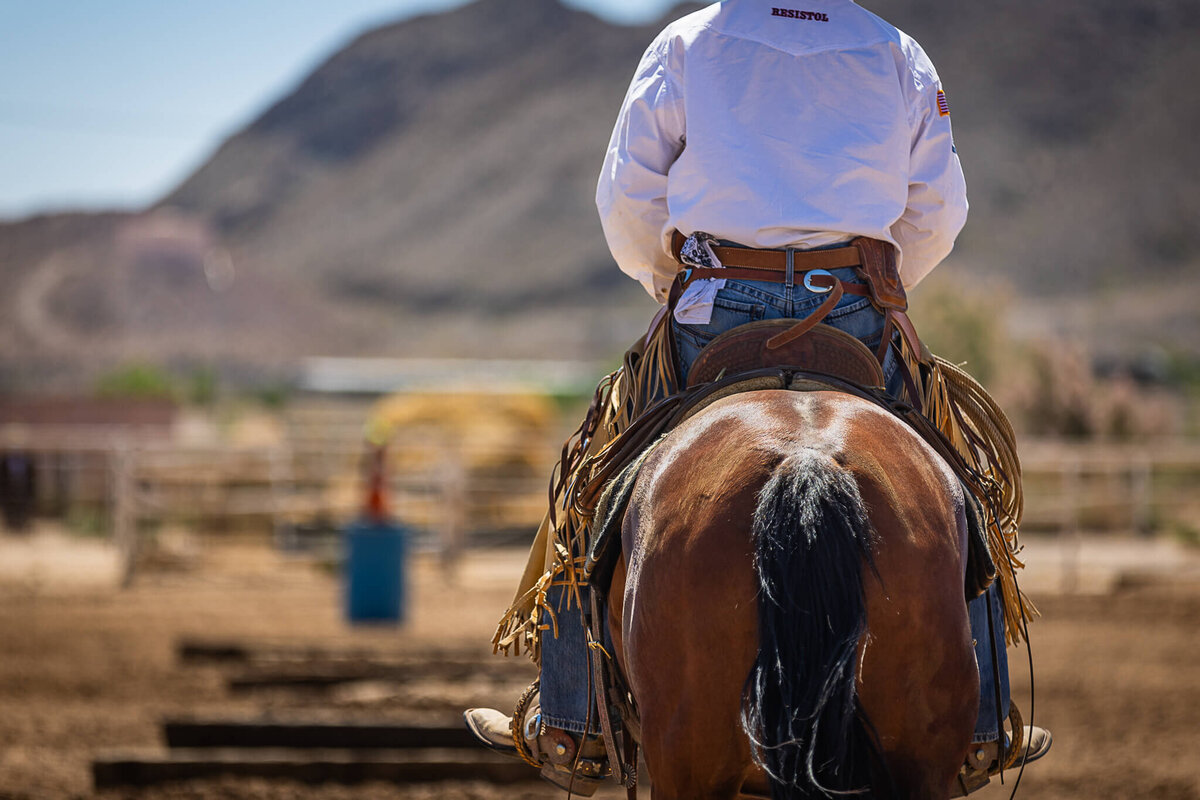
(688, 621)
(918, 681)
(689, 624)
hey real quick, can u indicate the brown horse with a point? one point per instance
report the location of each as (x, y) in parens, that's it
(790, 605)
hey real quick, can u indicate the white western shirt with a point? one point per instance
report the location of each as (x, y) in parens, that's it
(772, 126)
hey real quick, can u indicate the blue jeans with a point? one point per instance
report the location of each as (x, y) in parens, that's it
(564, 692)
(565, 689)
(986, 723)
(748, 301)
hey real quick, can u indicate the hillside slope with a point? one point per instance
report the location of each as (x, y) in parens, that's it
(428, 189)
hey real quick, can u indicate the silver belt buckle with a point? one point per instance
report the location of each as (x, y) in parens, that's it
(812, 273)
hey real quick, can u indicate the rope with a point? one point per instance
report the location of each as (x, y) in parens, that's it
(1009, 755)
(981, 433)
(518, 717)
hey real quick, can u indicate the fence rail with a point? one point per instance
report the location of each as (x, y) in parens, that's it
(1118, 488)
(458, 495)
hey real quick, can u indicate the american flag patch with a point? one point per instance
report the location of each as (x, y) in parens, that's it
(943, 106)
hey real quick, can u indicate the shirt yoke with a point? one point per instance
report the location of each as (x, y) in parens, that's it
(848, 26)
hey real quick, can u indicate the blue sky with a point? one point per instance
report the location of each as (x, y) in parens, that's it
(109, 104)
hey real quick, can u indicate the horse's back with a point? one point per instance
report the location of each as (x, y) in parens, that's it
(689, 635)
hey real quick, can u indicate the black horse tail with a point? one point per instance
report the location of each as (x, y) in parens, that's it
(800, 707)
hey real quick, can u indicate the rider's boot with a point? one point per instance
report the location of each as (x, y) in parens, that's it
(983, 760)
(492, 728)
(569, 760)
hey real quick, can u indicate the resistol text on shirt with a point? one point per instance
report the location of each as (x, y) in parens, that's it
(792, 13)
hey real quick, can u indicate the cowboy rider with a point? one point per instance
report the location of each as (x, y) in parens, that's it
(749, 125)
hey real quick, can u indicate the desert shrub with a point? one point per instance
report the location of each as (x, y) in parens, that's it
(1047, 387)
(202, 386)
(965, 325)
(136, 382)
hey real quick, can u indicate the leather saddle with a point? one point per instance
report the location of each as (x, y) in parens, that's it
(824, 349)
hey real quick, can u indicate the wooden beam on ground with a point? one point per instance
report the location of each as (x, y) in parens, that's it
(326, 676)
(322, 675)
(149, 768)
(310, 734)
(195, 651)
(199, 651)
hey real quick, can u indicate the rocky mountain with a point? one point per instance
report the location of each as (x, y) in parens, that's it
(428, 190)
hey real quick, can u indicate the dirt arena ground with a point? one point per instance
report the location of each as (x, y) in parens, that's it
(85, 668)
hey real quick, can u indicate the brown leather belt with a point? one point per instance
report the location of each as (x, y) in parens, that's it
(776, 260)
(875, 259)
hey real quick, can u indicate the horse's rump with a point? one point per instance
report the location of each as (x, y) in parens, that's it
(766, 512)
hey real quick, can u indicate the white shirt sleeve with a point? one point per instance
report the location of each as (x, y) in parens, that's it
(631, 195)
(937, 191)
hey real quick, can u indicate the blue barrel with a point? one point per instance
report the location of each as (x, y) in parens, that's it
(376, 572)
